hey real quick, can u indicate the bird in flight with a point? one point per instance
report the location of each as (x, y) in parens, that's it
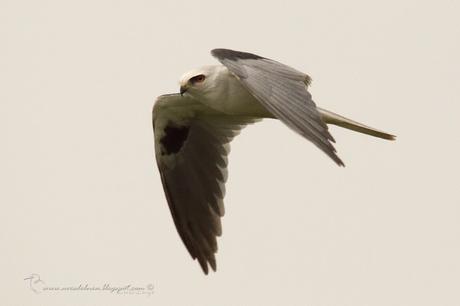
(193, 129)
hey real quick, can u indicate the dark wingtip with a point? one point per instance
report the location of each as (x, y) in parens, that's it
(204, 266)
(332, 152)
(213, 265)
(215, 52)
(222, 54)
(206, 262)
(338, 161)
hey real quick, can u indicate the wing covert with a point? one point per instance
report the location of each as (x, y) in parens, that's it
(282, 90)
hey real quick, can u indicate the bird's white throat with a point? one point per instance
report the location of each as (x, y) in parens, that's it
(224, 93)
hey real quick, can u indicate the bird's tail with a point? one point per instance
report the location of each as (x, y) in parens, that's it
(333, 118)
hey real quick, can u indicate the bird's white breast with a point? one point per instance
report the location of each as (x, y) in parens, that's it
(226, 94)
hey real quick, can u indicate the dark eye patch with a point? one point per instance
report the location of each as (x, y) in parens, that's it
(198, 78)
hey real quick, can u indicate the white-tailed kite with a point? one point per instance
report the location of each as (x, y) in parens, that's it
(193, 130)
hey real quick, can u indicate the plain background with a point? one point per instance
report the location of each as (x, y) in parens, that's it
(82, 201)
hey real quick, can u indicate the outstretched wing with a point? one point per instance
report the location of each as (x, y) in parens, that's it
(191, 148)
(282, 90)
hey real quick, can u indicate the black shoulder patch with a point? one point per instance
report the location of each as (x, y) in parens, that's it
(233, 55)
(174, 138)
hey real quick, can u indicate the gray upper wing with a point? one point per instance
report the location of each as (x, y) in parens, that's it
(192, 158)
(282, 90)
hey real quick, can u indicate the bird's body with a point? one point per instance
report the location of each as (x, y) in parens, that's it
(193, 130)
(226, 94)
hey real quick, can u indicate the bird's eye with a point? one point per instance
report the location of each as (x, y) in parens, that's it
(197, 79)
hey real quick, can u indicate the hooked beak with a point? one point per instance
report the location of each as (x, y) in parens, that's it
(183, 89)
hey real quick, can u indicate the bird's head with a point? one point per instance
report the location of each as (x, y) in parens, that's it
(198, 81)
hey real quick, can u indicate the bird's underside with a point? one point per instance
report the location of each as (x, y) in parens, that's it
(192, 140)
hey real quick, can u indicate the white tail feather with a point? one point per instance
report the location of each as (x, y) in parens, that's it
(333, 118)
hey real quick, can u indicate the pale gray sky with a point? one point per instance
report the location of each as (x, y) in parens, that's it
(82, 201)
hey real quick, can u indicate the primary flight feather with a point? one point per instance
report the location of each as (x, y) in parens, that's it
(193, 130)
